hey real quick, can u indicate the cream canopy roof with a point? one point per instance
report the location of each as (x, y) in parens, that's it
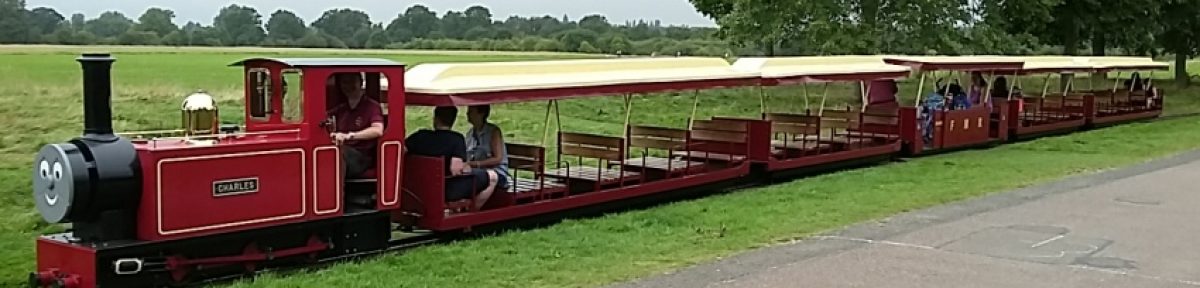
(962, 63)
(466, 78)
(822, 68)
(1045, 64)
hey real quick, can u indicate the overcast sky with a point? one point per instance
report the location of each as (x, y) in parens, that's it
(677, 12)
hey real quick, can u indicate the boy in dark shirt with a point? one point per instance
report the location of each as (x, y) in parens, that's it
(451, 146)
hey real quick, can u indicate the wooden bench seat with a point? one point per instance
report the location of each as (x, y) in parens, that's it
(587, 146)
(532, 159)
(661, 164)
(526, 185)
(859, 134)
(646, 138)
(843, 140)
(718, 141)
(801, 145)
(603, 176)
(1047, 116)
(710, 157)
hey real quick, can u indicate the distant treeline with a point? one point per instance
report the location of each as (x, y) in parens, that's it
(418, 27)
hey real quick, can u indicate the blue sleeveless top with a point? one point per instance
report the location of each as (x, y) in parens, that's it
(479, 147)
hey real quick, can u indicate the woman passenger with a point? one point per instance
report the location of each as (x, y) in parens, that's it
(486, 149)
(1000, 89)
(978, 86)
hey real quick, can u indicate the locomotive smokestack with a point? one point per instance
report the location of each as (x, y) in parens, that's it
(97, 96)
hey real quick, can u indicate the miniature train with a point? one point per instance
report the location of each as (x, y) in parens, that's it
(175, 207)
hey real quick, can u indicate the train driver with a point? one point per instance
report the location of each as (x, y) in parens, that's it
(359, 121)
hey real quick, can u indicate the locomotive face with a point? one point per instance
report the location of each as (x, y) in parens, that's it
(55, 170)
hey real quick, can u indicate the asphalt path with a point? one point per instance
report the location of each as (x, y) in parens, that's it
(1129, 227)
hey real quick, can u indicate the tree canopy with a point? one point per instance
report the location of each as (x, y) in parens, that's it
(285, 26)
(747, 27)
(239, 26)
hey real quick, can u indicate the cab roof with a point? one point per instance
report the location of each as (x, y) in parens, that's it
(793, 70)
(323, 62)
(458, 84)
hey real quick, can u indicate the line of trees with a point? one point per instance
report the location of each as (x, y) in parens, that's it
(418, 27)
(1071, 27)
(747, 27)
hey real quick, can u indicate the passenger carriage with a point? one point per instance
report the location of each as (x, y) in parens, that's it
(949, 129)
(1050, 109)
(1124, 103)
(586, 168)
(1063, 108)
(821, 137)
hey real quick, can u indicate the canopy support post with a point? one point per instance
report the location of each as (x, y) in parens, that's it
(557, 116)
(1012, 86)
(987, 93)
(1046, 87)
(805, 87)
(1116, 82)
(866, 92)
(558, 123)
(824, 96)
(1067, 88)
(628, 109)
(920, 89)
(695, 106)
(762, 100)
(546, 123)
(953, 76)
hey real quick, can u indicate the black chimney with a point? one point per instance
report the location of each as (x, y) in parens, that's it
(97, 96)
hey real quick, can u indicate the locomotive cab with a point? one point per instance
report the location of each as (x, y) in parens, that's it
(300, 94)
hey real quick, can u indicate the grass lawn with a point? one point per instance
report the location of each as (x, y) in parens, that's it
(40, 103)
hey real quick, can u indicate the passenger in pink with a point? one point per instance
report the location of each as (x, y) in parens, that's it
(882, 94)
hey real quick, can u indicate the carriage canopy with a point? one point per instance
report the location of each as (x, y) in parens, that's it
(457, 84)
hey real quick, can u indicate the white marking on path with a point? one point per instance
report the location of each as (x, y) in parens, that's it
(1135, 275)
(881, 242)
(1047, 241)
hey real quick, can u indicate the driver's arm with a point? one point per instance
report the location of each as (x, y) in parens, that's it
(375, 116)
(371, 133)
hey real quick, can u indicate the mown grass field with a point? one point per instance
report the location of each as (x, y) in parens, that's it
(40, 103)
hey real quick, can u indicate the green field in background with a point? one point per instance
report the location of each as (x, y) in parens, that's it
(40, 101)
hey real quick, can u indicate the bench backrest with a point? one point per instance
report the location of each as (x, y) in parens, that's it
(657, 138)
(526, 157)
(794, 124)
(840, 120)
(719, 136)
(719, 131)
(881, 116)
(591, 146)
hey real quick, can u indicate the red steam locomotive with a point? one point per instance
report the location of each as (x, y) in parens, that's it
(210, 201)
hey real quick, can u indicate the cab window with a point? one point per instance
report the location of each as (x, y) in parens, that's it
(293, 96)
(260, 92)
